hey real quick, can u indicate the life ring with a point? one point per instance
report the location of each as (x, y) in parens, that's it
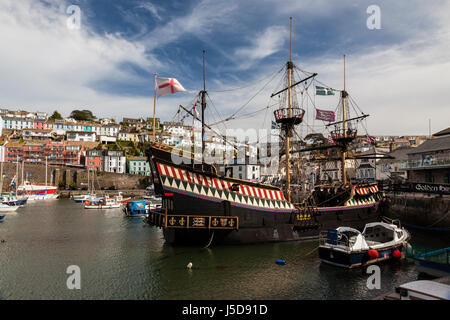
(86, 202)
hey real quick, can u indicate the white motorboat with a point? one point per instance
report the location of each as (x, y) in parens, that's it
(348, 247)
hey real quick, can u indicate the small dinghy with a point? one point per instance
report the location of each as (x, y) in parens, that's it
(349, 248)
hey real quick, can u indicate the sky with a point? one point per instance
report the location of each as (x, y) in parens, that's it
(399, 74)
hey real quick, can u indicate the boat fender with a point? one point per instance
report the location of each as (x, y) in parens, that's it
(373, 254)
(396, 254)
(189, 265)
(280, 262)
(86, 202)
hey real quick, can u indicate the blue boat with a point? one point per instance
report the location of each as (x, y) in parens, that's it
(349, 248)
(435, 263)
(2, 217)
(137, 208)
(12, 200)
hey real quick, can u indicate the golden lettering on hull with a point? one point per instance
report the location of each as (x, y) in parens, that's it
(202, 222)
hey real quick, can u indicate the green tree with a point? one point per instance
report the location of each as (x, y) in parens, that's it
(82, 115)
(55, 116)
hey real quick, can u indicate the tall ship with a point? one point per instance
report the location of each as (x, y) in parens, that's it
(201, 206)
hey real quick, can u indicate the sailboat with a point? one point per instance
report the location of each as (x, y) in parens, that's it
(201, 206)
(37, 191)
(89, 195)
(9, 199)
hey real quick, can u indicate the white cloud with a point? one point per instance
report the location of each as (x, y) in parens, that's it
(264, 45)
(150, 7)
(47, 66)
(206, 16)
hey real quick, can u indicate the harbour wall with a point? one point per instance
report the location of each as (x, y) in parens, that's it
(71, 177)
(422, 210)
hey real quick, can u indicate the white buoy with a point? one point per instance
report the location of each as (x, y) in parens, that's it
(189, 266)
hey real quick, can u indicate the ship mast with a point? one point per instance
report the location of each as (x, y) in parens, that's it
(203, 93)
(288, 139)
(344, 152)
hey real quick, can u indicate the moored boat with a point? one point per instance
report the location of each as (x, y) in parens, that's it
(137, 208)
(435, 263)
(83, 197)
(438, 289)
(349, 248)
(4, 208)
(13, 200)
(102, 203)
(37, 192)
(120, 199)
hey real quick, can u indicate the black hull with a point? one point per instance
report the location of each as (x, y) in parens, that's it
(257, 226)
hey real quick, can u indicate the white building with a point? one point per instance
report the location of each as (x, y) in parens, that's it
(81, 136)
(242, 171)
(115, 161)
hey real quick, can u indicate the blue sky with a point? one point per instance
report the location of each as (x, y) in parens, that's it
(400, 71)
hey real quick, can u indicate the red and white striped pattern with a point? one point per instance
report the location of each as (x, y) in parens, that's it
(366, 191)
(218, 183)
(362, 191)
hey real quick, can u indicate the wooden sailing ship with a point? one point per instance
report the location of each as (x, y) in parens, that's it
(201, 206)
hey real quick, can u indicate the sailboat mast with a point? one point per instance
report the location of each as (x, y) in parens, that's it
(288, 139)
(203, 93)
(344, 153)
(17, 173)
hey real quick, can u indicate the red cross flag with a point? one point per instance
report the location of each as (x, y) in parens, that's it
(168, 86)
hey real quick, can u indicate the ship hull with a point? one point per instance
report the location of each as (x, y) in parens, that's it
(260, 226)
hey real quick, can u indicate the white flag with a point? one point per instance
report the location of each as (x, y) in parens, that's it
(168, 86)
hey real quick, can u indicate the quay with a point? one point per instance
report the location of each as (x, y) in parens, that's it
(134, 193)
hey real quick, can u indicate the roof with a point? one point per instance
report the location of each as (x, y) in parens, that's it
(82, 132)
(399, 154)
(442, 132)
(438, 144)
(137, 158)
(85, 144)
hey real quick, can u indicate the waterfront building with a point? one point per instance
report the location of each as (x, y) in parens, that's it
(430, 162)
(367, 170)
(138, 165)
(94, 160)
(393, 168)
(114, 161)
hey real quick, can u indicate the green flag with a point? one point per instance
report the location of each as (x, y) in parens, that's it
(322, 91)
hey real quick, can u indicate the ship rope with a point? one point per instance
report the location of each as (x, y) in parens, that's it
(250, 84)
(210, 241)
(233, 116)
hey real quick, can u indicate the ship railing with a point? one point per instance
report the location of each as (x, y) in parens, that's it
(417, 164)
(340, 134)
(286, 115)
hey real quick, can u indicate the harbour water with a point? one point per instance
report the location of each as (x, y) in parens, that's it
(123, 258)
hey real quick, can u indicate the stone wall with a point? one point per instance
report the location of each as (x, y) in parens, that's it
(57, 175)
